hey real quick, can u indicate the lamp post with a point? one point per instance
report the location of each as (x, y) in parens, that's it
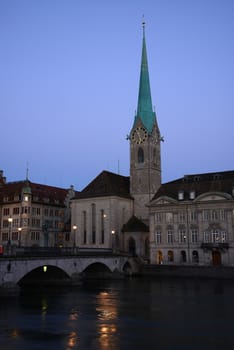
(112, 239)
(19, 238)
(74, 228)
(10, 229)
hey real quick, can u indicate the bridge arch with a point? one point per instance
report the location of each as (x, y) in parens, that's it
(97, 270)
(44, 274)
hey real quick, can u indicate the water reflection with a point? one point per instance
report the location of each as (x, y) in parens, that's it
(132, 314)
(72, 341)
(107, 313)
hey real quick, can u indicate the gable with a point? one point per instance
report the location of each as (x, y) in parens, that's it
(162, 200)
(213, 196)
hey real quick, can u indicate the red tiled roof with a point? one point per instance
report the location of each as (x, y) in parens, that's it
(38, 191)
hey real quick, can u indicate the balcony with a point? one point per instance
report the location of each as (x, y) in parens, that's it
(215, 246)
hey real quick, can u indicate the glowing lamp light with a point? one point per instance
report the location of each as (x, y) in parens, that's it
(44, 268)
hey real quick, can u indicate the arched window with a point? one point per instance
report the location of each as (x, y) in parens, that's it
(170, 255)
(132, 246)
(183, 256)
(195, 256)
(140, 155)
(159, 257)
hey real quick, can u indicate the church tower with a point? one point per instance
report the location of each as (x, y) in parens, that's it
(145, 154)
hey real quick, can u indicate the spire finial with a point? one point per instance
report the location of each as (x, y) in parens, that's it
(143, 22)
(27, 170)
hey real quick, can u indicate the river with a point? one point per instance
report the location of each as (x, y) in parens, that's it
(128, 314)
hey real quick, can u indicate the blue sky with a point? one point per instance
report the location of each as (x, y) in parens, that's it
(69, 77)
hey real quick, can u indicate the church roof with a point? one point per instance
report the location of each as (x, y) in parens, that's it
(106, 184)
(135, 225)
(199, 183)
(144, 109)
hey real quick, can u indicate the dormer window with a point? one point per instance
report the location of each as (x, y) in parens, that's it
(192, 194)
(181, 195)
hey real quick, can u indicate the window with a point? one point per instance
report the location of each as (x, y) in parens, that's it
(182, 236)
(84, 227)
(16, 211)
(16, 222)
(169, 236)
(215, 236)
(67, 236)
(36, 211)
(158, 217)
(206, 215)
(140, 155)
(14, 236)
(5, 223)
(170, 255)
(35, 236)
(158, 237)
(169, 217)
(194, 236)
(214, 215)
(223, 214)
(6, 211)
(35, 222)
(93, 213)
(206, 237)
(195, 256)
(183, 256)
(192, 194)
(182, 216)
(181, 195)
(25, 210)
(5, 236)
(223, 236)
(193, 215)
(102, 226)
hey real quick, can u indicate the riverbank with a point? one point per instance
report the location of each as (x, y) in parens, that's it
(219, 272)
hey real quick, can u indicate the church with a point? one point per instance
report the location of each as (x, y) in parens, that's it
(186, 221)
(112, 212)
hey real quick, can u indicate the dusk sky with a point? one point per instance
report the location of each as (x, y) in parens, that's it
(69, 79)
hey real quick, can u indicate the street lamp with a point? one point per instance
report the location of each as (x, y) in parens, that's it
(74, 228)
(10, 229)
(19, 231)
(113, 237)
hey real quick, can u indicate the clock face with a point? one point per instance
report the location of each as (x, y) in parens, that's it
(139, 135)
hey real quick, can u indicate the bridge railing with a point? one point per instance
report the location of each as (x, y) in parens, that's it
(54, 251)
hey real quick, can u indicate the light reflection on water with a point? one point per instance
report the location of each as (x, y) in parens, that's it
(122, 315)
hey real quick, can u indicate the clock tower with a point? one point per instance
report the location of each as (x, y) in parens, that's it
(145, 154)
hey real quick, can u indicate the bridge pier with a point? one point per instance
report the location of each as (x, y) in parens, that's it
(8, 287)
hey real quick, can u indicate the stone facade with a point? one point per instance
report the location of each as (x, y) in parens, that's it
(99, 220)
(192, 221)
(32, 214)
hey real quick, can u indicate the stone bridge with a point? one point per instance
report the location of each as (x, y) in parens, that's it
(17, 270)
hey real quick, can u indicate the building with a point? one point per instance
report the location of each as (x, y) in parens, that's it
(192, 220)
(32, 214)
(111, 211)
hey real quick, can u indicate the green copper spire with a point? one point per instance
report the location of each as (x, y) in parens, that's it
(144, 109)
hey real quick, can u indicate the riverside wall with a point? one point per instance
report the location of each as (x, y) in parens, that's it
(219, 272)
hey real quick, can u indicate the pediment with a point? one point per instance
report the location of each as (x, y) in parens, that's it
(213, 196)
(162, 200)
